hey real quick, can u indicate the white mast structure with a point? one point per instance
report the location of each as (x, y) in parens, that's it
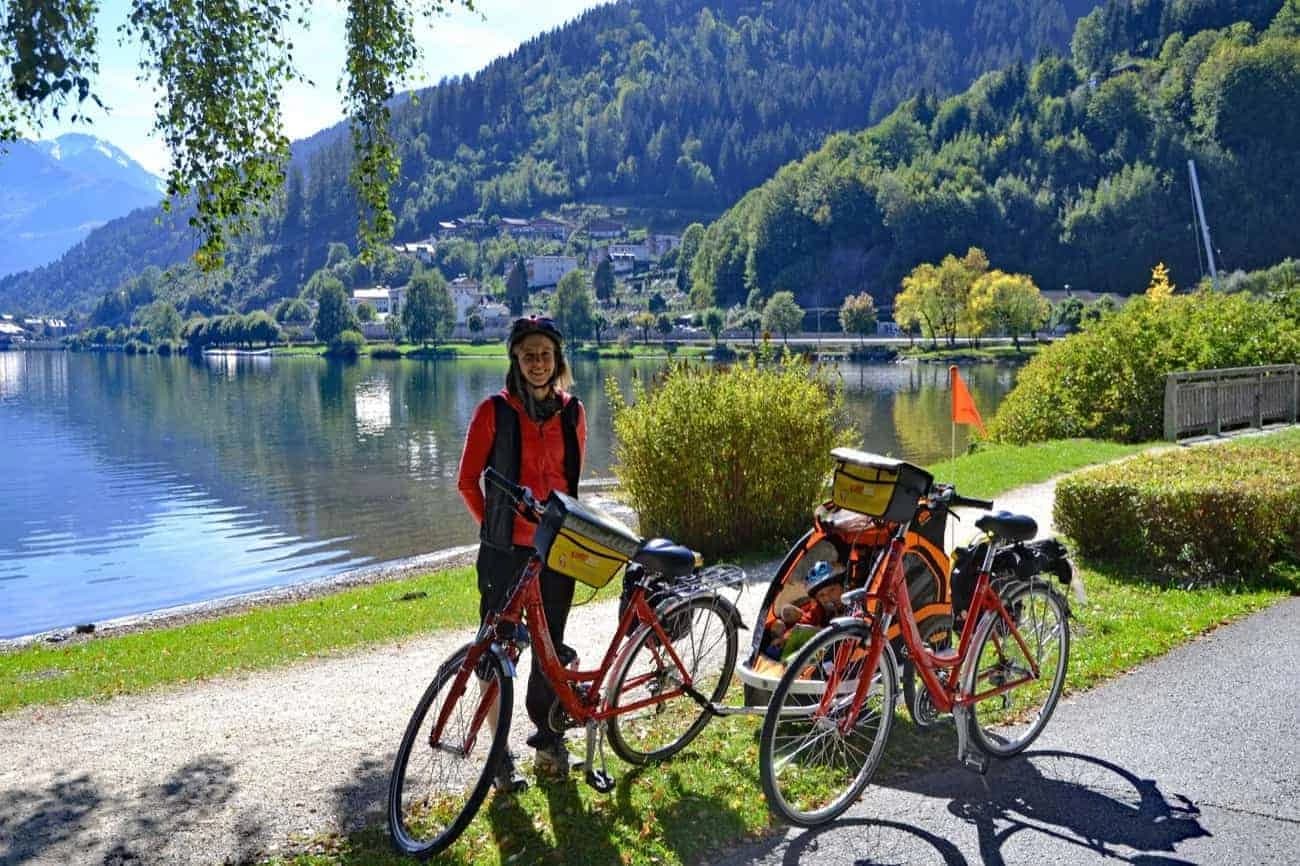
(1200, 218)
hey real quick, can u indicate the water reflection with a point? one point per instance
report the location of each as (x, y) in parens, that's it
(135, 483)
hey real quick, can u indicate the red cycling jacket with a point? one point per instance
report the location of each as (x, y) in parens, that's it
(541, 463)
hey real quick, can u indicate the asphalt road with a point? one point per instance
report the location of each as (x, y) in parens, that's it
(1193, 758)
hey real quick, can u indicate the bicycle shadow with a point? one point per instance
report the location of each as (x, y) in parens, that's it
(1076, 799)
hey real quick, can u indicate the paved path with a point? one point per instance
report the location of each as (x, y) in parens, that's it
(225, 768)
(1193, 758)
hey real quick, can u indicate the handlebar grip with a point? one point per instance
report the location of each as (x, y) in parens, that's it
(496, 479)
(986, 504)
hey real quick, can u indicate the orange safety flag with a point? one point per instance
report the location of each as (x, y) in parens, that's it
(963, 406)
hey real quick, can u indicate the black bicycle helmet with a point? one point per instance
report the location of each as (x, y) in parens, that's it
(534, 325)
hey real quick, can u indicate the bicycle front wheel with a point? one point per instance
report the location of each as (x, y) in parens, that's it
(438, 784)
(816, 760)
(703, 633)
(1005, 724)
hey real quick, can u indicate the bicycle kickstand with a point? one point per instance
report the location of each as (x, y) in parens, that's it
(597, 778)
(969, 754)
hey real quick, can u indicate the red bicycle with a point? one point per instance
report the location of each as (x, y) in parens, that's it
(662, 677)
(830, 716)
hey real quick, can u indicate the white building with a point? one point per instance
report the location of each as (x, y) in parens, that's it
(639, 252)
(466, 294)
(421, 250)
(385, 301)
(548, 270)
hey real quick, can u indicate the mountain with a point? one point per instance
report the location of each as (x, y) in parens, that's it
(674, 106)
(1073, 170)
(54, 193)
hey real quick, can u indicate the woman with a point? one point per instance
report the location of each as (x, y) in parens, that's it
(534, 433)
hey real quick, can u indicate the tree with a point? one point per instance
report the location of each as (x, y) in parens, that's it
(161, 321)
(572, 306)
(644, 320)
(220, 69)
(746, 319)
(365, 312)
(259, 327)
(333, 316)
(599, 323)
(475, 323)
(603, 280)
(393, 327)
(1160, 286)
(1010, 303)
(664, 326)
(1067, 314)
(713, 322)
(292, 311)
(657, 304)
(858, 315)
(517, 288)
(936, 295)
(429, 313)
(782, 314)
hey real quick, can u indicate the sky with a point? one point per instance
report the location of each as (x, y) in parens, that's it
(458, 43)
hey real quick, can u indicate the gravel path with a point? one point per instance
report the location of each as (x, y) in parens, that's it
(225, 769)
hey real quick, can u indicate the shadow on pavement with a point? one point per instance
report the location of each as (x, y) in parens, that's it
(31, 821)
(1075, 799)
(74, 820)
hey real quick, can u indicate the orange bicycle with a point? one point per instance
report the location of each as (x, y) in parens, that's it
(663, 676)
(830, 716)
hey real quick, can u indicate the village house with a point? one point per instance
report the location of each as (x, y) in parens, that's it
(422, 250)
(385, 301)
(466, 294)
(546, 271)
(603, 230)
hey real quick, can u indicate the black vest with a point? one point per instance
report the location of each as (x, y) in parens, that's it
(498, 527)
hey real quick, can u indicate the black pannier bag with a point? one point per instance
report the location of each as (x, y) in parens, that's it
(1020, 561)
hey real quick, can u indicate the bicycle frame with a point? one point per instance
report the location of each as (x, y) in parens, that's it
(572, 687)
(891, 600)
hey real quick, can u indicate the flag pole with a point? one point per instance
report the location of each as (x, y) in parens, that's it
(952, 416)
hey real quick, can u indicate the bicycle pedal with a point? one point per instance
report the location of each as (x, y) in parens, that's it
(599, 780)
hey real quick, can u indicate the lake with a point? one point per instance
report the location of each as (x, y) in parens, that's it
(136, 483)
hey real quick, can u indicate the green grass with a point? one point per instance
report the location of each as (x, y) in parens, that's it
(264, 637)
(997, 468)
(709, 797)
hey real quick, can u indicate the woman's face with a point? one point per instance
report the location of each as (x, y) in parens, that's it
(536, 354)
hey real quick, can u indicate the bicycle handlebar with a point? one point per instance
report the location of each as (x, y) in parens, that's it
(523, 498)
(946, 494)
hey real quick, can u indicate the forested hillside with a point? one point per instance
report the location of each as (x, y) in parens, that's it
(659, 103)
(1071, 170)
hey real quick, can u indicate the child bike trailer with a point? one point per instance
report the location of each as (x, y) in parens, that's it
(848, 543)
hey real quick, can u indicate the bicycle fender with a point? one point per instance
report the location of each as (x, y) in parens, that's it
(506, 664)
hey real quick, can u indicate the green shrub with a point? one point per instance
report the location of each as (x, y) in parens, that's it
(346, 345)
(728, 460)
(1202, 515)
(1108, 381)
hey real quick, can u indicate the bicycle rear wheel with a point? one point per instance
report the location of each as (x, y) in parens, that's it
(811, 770)
(1005, 724)
(703, 631)
(437, 787)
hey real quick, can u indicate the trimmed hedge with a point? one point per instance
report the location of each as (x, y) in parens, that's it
(1203, 515)
(728, 460)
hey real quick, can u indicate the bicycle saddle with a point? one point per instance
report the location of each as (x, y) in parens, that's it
(659, 555)
(1008, 526)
